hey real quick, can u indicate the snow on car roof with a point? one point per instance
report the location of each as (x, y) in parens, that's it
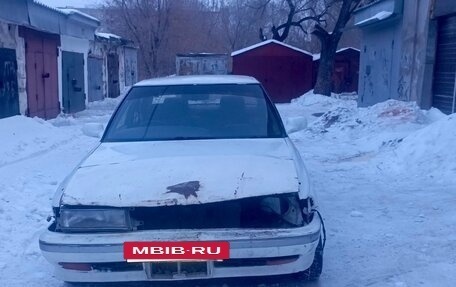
(198, 80)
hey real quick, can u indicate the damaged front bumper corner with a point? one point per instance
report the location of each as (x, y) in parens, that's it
(253, 252)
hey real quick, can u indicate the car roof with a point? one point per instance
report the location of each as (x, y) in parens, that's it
(197, 80)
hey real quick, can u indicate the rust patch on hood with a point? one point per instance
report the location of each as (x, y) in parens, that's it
(186, 188)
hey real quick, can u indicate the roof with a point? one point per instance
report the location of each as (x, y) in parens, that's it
(235, 53)
(198, 80)
(71, 11)
(107, 35)
(47, 6)
(66, 11)
(377, 17)
(316, 57)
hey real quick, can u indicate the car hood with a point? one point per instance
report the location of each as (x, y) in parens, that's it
(181, 172)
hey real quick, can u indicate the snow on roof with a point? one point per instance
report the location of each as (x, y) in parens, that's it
(347, 48)
(69, 11)
(316, 57)
(198, 80)
(377, 17)
(107, 35)
(235, 53)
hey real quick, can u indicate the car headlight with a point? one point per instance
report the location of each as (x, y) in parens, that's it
(81, 220)
(285, 207)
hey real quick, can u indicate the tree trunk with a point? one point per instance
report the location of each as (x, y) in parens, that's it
(323, 85)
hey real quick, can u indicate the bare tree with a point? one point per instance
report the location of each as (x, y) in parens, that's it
(147, 23)
(239, 24)
(326, 19)
(163, 28)
(329, 42)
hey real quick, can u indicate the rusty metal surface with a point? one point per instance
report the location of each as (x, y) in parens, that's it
(186, 189)
(113, 76)
(9, 94)
(201, 64)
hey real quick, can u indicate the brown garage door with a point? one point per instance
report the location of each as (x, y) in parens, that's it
(42, 77)
(444, 88)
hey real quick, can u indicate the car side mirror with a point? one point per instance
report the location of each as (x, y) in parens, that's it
(295, 124)
(94, 130)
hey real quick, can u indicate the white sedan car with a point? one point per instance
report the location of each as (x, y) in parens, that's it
(188, 159)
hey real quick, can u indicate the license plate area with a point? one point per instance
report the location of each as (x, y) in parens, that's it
(177, 270)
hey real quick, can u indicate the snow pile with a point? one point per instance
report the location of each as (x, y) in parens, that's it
(35, 156)
(96, 112)
(311, 99)
(431, 151)
(389, 114)
(23, 137)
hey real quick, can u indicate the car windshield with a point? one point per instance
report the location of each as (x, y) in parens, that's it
(183, 112)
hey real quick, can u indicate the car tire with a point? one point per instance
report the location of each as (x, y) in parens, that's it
(314, 271)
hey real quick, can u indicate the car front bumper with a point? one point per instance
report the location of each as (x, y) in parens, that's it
(252, 253)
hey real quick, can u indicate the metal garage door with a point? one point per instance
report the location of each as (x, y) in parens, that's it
(42, 75)
(95, 67)
(131, 67)
(73, 82)
(113, 76)
(9, 92)
(444, 87)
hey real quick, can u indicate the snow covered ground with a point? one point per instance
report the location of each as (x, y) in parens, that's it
(385, 176)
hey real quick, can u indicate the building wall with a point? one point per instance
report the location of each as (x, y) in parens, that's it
(9, 38)
(77, 45)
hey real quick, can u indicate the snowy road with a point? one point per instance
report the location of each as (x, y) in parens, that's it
(385, 177)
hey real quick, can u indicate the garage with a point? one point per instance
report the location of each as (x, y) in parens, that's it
(285, 71)
(444, 90)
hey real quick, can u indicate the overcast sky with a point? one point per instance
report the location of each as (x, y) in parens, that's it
(73, 3)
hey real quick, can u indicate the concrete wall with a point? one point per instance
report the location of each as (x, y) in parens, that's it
(77, 45)
(121, 53)
(398, 55)
(9, 38)
(417, 57)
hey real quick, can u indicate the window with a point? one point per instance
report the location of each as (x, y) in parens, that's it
(194, 112)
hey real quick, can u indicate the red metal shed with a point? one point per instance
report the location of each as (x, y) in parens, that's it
(285, 71)
(41, 50)
(346, 70)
